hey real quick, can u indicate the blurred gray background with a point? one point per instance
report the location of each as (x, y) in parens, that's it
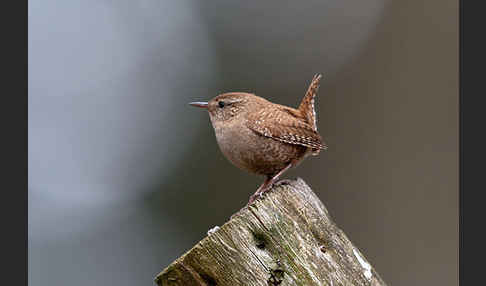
(124, 176)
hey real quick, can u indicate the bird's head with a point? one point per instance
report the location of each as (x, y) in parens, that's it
(228, 106)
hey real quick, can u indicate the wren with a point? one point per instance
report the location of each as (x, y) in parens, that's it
(262, 137)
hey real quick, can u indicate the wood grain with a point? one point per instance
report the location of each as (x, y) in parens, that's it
(285, 238)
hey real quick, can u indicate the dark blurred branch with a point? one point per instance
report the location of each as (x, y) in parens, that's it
(286, 238)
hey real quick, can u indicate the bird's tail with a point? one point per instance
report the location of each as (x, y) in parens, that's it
(306, 107)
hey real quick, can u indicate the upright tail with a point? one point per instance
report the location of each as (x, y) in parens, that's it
(306, 107)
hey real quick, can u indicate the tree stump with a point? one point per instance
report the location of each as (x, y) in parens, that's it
(285, 238)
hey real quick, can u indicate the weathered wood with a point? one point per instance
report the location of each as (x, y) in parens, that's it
(285, 238)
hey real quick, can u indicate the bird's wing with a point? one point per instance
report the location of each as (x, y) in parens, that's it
(281, 124)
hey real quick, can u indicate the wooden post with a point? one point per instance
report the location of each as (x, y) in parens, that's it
(285, 238)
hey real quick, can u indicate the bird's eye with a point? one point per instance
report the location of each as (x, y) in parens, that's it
(221, 104)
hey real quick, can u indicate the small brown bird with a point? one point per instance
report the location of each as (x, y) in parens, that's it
(262, 137)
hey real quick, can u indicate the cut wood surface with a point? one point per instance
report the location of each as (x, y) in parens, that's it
(285, 238)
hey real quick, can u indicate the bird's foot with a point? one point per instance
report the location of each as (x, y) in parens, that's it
(253, 198)
(259, 194)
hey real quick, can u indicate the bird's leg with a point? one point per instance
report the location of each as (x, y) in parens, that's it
(260, 189)
(275, 178)
(269, 180)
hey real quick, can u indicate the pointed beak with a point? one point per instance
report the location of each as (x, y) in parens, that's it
(199, 104)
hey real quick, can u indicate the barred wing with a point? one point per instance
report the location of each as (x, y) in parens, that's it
(282, 125)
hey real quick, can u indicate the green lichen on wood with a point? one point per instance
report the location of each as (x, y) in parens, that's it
(285, 238)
